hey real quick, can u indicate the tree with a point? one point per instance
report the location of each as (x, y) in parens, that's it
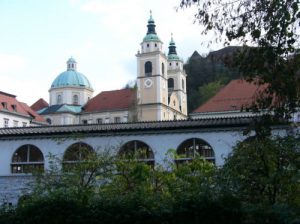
(265, 171)
(209, 90)
(269, 31)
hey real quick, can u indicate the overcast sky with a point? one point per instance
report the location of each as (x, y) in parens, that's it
(38, 36)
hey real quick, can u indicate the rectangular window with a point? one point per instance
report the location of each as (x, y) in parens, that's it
(16, 123)
(24, 124)
(107, 120)
(14, 107)
(6, 122)
(117, 119)
(99, 121)
(4, 105)
(84, 121)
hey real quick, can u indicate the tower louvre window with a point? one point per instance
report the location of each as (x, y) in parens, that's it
(148, 68)
(170, 84)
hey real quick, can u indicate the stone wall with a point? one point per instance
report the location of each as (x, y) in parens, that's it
(14, 186)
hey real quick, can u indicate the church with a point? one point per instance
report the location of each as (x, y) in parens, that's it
(160, 92)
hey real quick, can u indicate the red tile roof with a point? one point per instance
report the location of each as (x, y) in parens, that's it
(38, 105)
(9, 103)
(111, 100)
(235, 95)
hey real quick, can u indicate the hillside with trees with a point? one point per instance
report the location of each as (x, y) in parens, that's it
(206, 75)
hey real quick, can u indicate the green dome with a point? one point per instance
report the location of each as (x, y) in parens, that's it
(71, 77)
(151, 37)
(173, 57)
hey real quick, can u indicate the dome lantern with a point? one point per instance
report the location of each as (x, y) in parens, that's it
(71, 77)
(71, 64)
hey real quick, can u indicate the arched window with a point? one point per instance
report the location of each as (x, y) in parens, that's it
(27, 159)
(163, 68)
(148, 68)
(59, 101)
(170, 84)
(138, 150)
(190, 148)
(77, 152)
(182, 84)
(75, 99)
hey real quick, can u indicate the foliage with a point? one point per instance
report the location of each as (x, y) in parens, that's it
(263, 173)
(209, 90)
(109, 189)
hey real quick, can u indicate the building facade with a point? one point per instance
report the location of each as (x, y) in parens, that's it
(14, 113)
(160, 93)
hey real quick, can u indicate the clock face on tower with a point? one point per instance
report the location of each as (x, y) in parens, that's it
(148, 83)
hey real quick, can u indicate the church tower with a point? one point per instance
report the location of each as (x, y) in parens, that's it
(176, 82)
(152, 98)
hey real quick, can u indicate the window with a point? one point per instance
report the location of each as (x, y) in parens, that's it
(27, 159)
(84, 121)
(170, 84)
(14, 107)
(76, 153)
(176, 63)
(163, 68)
(16, 123)
(49, 121)
(148, 68)
(190, 148)
(24, 124)
(99, 121)
(148, 45)
(170, 63)
(139, 150)
(155, 44)
(182, 84)
(4, 105)
(75, 99)
(59, 101)
(6, 122)
(117, 119)
(107, 120)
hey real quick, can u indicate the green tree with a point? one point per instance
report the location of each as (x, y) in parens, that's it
(209, 90)
(265, 170)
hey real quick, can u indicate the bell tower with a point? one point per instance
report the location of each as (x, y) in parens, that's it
(177, 80)
(152, 80)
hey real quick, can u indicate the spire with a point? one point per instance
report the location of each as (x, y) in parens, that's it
(71, 64)
(151, 25)
(172, 50)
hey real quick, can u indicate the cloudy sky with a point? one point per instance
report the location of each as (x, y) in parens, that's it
(38, 36)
